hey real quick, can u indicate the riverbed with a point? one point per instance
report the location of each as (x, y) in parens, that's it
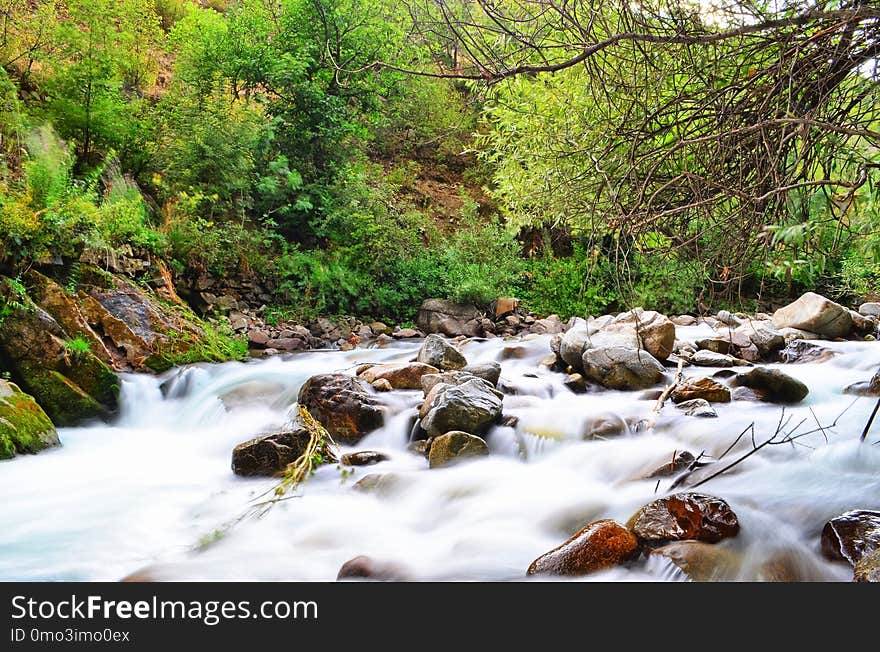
(152, 494)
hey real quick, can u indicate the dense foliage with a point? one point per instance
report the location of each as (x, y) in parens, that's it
(258, 136)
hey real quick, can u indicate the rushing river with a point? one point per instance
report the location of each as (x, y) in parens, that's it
(153, 493)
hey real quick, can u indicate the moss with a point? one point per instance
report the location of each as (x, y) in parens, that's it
(214, 346)
(96, 379)
(65, 402)
(24, 426)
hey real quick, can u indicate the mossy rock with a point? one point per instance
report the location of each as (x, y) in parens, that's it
(64, 401)
(24, 426)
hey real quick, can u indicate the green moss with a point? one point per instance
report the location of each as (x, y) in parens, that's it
(215, 346)
(24, 426)
(96, 379)
(63, 400)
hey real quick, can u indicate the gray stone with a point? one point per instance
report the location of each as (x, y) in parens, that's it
(438, 352)
(623, 368)
(815, 313)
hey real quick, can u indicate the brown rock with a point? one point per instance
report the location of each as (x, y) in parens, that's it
(685, 516)
(868, 568)
(399, 376)
(363, 458)
(342, 405)
(678, 462)
(505, 306)
(455, 446)
(704, 388)
(367, 568)
(851, 536)
(601, 544)
(269, 454)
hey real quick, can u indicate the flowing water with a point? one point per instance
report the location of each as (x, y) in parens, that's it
(153, 492)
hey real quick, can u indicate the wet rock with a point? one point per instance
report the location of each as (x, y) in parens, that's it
(24, 427)
(367, 568)
(679, 461)
(701, 562)
(701, 388)
(382, 385)
(342, 405)
(851, 536)
(514, 353)
(453, 447)
(813, 312)
(870, 309)
(771, 385)
(714, 344)
(438, 352)
(399, 376)
(802, 351)
(794, 334)
(606, 425)
(683, 320)
(601, 544)
(705, 358)
(572, 345)
(405, 333)
(471, 407)
(868, 568)
(363, 458)
(576, 383)
(621, 368)
(488, 371)
(269, 454)
(378, 483)
(685, 516)
(446, 317)
(420, 447)
(698, 407)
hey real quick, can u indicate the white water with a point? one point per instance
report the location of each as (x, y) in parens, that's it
(141, 494)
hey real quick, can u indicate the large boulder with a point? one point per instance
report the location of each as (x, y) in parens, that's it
(851, 536)
(701, 388)
(70, 384)
(24, 427)
(771, 385)
(438, 352)
(269, 454)
(813, 312)
(622, 368)
(454, 447)
(471, 406)
(399, 376)
(342, 405)
(656, 332)
(448, 318)
(685, 516)
(601, 544)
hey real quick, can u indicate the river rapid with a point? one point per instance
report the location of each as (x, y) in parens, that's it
(152, 494)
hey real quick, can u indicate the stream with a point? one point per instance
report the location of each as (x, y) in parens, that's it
(153, 492)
